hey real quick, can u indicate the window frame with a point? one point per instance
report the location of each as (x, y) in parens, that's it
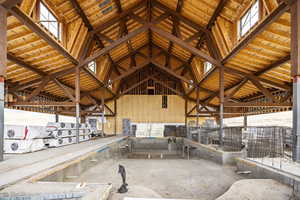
(94, 66)
(249, 13)
(205, 70)
(59, 28)
(164, 102)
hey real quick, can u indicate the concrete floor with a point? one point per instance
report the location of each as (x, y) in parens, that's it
(258, 189)
(178, 178)
(18, 167)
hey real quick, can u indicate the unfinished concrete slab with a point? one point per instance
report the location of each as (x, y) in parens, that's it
(19, 167)
(257, 189)
(57, 190)
(157, 178)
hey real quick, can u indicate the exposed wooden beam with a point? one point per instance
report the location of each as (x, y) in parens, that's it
(119, 17)
(185, 45)
(42, 104)
(264, 90)
(123, 26)
(21, 63)
(282, 8)
(28, 21)
(179, 16)
(260, 28)
(170, 88)
(65, 90)
(87, 43)
(115, 44)
(71, 69)
(216, 13)
(175, 30)
(8, 4)
(235, 90)
(125, 74)
(214, 61)
(265, 70)
(38, 89)
(134, 86)
(257, 104)
(253, 77)
(81, 13)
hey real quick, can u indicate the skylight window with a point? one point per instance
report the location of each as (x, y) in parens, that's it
(207, 66)
(48, 20)
(92, 66)
(249, 19)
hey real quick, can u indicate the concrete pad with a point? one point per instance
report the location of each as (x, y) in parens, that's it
(174, 178)
(20, 167)
(257, 189)
(57, 190)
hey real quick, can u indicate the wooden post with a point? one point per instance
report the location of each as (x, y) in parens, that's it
(295, 73)
(197, 109)
(82, 119)
(115, 110)
(56, 117)
(221, 97)
(185, 115)
(77, 97)
(3, 61)
(102, 114)
(245, 121)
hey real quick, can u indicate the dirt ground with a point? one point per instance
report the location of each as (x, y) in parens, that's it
(178, 178)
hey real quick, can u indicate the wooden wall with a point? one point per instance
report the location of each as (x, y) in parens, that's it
(146, 109)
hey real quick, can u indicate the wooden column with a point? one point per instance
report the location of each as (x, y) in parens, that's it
(245, 121)
(295, 73)
(197, 109)
(82, 119)
(185, 113)
(221, 97)
(102, 114)
(56, 117)
(77, 97)
(3, 60)
(115, 110)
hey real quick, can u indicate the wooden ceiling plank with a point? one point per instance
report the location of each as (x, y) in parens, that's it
(282, 8)
(28, 21)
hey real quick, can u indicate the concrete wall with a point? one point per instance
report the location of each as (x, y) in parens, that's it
(73, 169)
(210, 153)
(144, 144)
(261, 171)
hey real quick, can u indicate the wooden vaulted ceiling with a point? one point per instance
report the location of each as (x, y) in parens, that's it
(185, 34)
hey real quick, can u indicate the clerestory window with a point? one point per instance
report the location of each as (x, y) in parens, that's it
(49, 21)
(92, 66)
(249, 19)
(207, 66)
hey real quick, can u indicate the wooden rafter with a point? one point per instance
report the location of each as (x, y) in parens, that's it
(175, 30)
(124, 30)
(282, 8)
(97, 37)
(214, 61)
(265, 70)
